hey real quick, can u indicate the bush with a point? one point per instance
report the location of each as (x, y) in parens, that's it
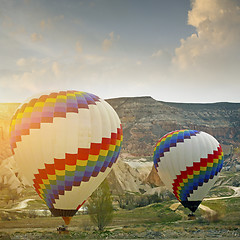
(100, 206)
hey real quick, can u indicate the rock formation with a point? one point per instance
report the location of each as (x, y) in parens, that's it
(144, 121)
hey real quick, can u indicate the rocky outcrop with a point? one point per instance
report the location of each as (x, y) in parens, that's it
(9, 174)
(145, 120)
(153, 178)
(124, 178)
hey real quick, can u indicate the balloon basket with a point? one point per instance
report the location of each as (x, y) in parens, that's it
(63, 230)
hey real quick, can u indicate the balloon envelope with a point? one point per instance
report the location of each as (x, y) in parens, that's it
(65, 144)
(188, 163)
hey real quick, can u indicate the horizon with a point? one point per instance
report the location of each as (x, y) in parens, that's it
(147, 96)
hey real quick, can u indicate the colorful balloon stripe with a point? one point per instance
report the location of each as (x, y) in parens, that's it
(198, 174)
(170, 140)
(61, 176)
(44, 109)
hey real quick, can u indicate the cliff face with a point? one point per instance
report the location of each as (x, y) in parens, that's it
(145, 120)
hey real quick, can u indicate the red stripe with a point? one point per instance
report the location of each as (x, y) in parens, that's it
(59, 164)
(83, 153)
(95, 148)
(71, 159)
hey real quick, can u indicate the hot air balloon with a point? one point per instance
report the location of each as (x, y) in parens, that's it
(188, 163)
(65, 144)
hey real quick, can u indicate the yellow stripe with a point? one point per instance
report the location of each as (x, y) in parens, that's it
(190, 176)
(28, 109)
(13, 121)
(39, 104)
(181, 184)
(185, 180)
(51, 100)
(20, 115)
(169, 136)
(112, 147)
(118, 142)
(196, 172)
(203, 168)
(103, 152)
(60, 172)
(52, 177)
(82, 162)
(70, 167)
(40, 190)
(42, 186)
(71, 95)
(45, 181)
(215, 160)
(93, 157)
(61, 97)
(209, 164)
(79, 93)
(178, 192)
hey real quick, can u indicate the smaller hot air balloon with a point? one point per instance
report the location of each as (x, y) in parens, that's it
(188, 163)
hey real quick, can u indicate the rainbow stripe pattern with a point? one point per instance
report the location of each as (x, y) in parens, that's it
(198, 174)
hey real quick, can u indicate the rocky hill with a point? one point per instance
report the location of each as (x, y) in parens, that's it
(144, 121)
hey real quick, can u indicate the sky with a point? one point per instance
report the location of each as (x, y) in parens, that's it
(174, 51)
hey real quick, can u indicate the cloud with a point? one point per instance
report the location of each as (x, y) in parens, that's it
(35, 37)
(217, 35)
(108, 42)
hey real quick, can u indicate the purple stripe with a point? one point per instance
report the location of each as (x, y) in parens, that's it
(60, 109)
(70, 100)
(60, 104)
(72, 105)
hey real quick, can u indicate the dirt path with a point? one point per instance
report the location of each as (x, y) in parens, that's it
(22, 204)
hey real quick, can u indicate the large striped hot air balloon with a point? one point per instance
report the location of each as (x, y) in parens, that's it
(188, 163)
(65, 144)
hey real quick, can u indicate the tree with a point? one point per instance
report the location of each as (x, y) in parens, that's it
(100, 206)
